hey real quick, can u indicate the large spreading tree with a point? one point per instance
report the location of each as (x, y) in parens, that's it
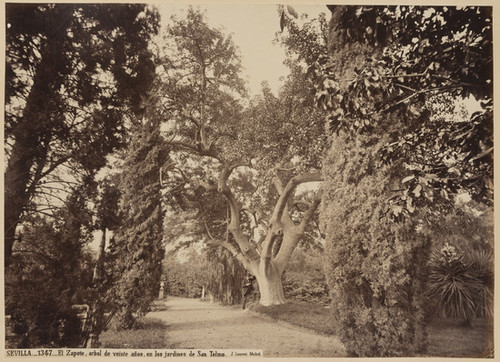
(218, 142)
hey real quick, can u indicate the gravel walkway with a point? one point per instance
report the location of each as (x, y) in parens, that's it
(201, 325)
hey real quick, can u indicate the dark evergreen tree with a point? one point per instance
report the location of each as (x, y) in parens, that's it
(137, 247)
(72, 72)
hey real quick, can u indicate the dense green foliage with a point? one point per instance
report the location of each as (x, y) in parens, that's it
(416, 72)
(136, 249)
(72, 74)
(396, 158)
(186, 278)
(304, 280)
(46, 279)
(375, 268)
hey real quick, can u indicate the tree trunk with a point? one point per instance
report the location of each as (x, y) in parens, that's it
(100, 260)
(270, 287)
(17, 178)
(33, 127)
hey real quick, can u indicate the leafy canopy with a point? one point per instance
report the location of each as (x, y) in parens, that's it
(74, 73)
(415, 73)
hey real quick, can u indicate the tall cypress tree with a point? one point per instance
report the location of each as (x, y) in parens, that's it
(137, 246)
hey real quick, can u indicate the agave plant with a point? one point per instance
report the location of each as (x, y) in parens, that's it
(455, 281)
(481, 262)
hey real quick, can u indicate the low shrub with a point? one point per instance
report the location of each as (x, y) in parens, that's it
(305, 288)
(304, 279)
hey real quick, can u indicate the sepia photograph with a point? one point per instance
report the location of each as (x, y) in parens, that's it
(247, 180)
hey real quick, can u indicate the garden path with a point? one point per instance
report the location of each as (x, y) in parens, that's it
(203, 325)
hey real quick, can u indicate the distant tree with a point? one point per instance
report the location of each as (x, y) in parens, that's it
(186, 277)
(204, 221)
(225, 274)
(72, 73)
(107, 219)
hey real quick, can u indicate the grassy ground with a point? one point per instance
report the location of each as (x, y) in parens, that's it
(310, 316)
(149, 334)
(447, 338)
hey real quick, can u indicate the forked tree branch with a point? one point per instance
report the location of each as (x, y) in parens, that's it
(289, 189)
(308, 215)
(248, 250)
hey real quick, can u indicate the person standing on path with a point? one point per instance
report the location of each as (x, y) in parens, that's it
(247, 289)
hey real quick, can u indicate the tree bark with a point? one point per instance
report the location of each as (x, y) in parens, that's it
(16, 181)
(31, 130)
(18, 177)
(270, 287)
(100, 260)
(266, 267)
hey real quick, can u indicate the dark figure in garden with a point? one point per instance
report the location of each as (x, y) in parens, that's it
(247, 289)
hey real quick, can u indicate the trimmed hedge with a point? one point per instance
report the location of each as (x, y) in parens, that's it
(375, 267)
